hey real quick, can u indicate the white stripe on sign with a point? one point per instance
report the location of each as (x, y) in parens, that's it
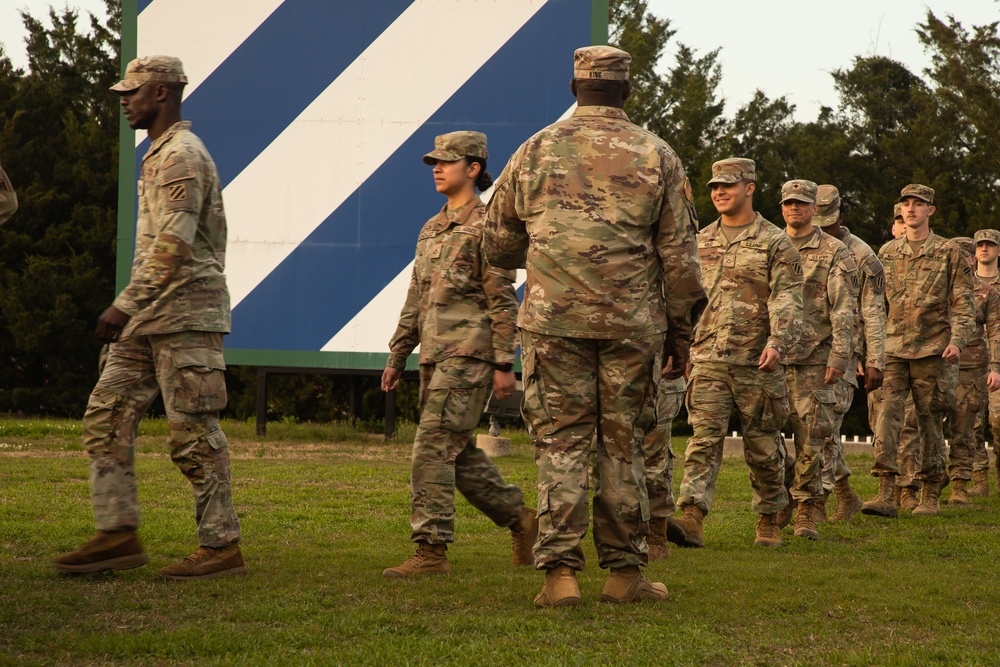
(205, 33)
(354, 125)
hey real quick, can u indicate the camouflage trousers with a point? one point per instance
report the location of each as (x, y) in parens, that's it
(989, 417)
(187, 367)
(445, 457)
(657, 449)
(813, 412)
(931, 382)
(834, 466)
(908, 459)
(970, 391)
(762, 402)
(580, 394)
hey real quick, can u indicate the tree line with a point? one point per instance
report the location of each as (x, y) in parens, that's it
(59, 142)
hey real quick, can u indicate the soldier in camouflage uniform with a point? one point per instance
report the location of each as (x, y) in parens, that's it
(930, 320)
(461, 311)
(987, 251)
(8, 198)
(979, 373)
(165, 333)
(599, 212)
(753, 276)
(659, 458)
(824, 352)
(869, 346)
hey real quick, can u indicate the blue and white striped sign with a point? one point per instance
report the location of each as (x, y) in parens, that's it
(317, 113)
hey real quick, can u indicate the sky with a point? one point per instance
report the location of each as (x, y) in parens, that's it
(783, 47)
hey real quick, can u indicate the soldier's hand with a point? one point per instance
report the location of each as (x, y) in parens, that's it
(504, 383)
(675, 359)
(390, 379)
(770, 358)
(110, 324)
(873, 378)
(833, 375)
(951, 354)
(993, 381)
(861, 369)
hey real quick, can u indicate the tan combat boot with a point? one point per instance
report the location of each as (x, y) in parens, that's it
(768, 533)
(628, 584)
(929, 505)
(848, 502)
(657, 539)
(690, 522)
(784, 515)
(429, 559)
(908, 499)
(819, 509)
(208, 563)
(980, 484)
(959, 496)
(522, 537)
(105, 551)
(804, 524)
(560, 588)
(884, 504)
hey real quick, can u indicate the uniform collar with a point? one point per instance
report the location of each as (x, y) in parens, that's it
(814, 241)
(606, 112)
(907, 250)
(713, 231)
(163, 138)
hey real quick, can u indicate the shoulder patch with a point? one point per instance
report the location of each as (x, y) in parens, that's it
(797, 268)
(687, 188)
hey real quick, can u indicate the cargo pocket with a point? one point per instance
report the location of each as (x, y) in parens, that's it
(532, 405)
(454, 409)
(824, 413)
(775, 410)
(200, 384)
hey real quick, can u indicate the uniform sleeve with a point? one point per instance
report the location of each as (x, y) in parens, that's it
(873, 312)
(407, 334)
(505, 236)
(963, 310)
(180, 191)
(842, 291)
(8, 198)
(501, 300)
(677, 247)
(993, 329)
(784, 303)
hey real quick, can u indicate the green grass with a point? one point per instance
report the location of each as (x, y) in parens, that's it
(325, 509)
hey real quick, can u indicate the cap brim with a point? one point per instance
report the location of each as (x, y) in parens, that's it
(442, 156)
(987, 241)
(825, 220)
(801, 198)
(126, 86)
(725, 180)
(915, 196)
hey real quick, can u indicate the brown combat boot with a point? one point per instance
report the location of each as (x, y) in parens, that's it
(560, 588)
(522, 537)
(768, 533)
(105, 551)
(690, 522)
(819, 509)
(929, 505)
(628, 584)
(980, 484)
(848, 502)
(959, 496)
(657, 539)
(208, 563)
(884, 504)
(429, 559)
(908, 499)
(784, 515)
(804, 524)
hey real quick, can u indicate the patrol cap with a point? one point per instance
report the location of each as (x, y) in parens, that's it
(162, 69)
(987, 236)
(897, 211)
(799, 190)
(457, 145)
(918, 191)
(733, 170)
(966, 245)
(601, 62)
(828, 200)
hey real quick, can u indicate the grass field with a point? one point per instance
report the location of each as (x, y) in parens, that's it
(325, 509)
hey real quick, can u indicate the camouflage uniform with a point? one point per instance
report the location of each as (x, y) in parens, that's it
(754, 285)
(657, 448)
(599, 212)
(461, 311)
(178, 305)
(930, 307)
(8, 198)
(990, 414)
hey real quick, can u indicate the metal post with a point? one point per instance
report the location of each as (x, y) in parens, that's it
(390, 415)
(261, 401)
(356, 402)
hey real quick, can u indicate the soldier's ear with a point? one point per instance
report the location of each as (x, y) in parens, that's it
(930, 210)
(751, 187)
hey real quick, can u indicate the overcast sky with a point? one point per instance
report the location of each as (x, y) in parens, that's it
(783, 47)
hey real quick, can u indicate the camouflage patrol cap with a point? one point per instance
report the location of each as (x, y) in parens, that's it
(966, 245)
(799, 190)
(897, 211)
(828, 200)
(457, 145)
(918, 191)
(162, 69)
(601, 62)
(733, 170)
(987, 236)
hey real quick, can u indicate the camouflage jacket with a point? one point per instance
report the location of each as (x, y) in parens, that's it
(8, 198)
(457, 305)
(754, 288)
(599, 212)
(930, 298)
(984, 346)
(178, 281)
(869, 318)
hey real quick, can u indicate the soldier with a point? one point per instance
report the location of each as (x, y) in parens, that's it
(898, 225)
(8, 198)
(979, 373)
(461, 311)
(869, 346)
(599, 211)
(754, 314)
(165, 332)
(824, 352)
(928, 324)
(659, 458)
(987, 250)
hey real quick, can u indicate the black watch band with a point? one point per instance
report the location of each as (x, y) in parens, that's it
(504, 368)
